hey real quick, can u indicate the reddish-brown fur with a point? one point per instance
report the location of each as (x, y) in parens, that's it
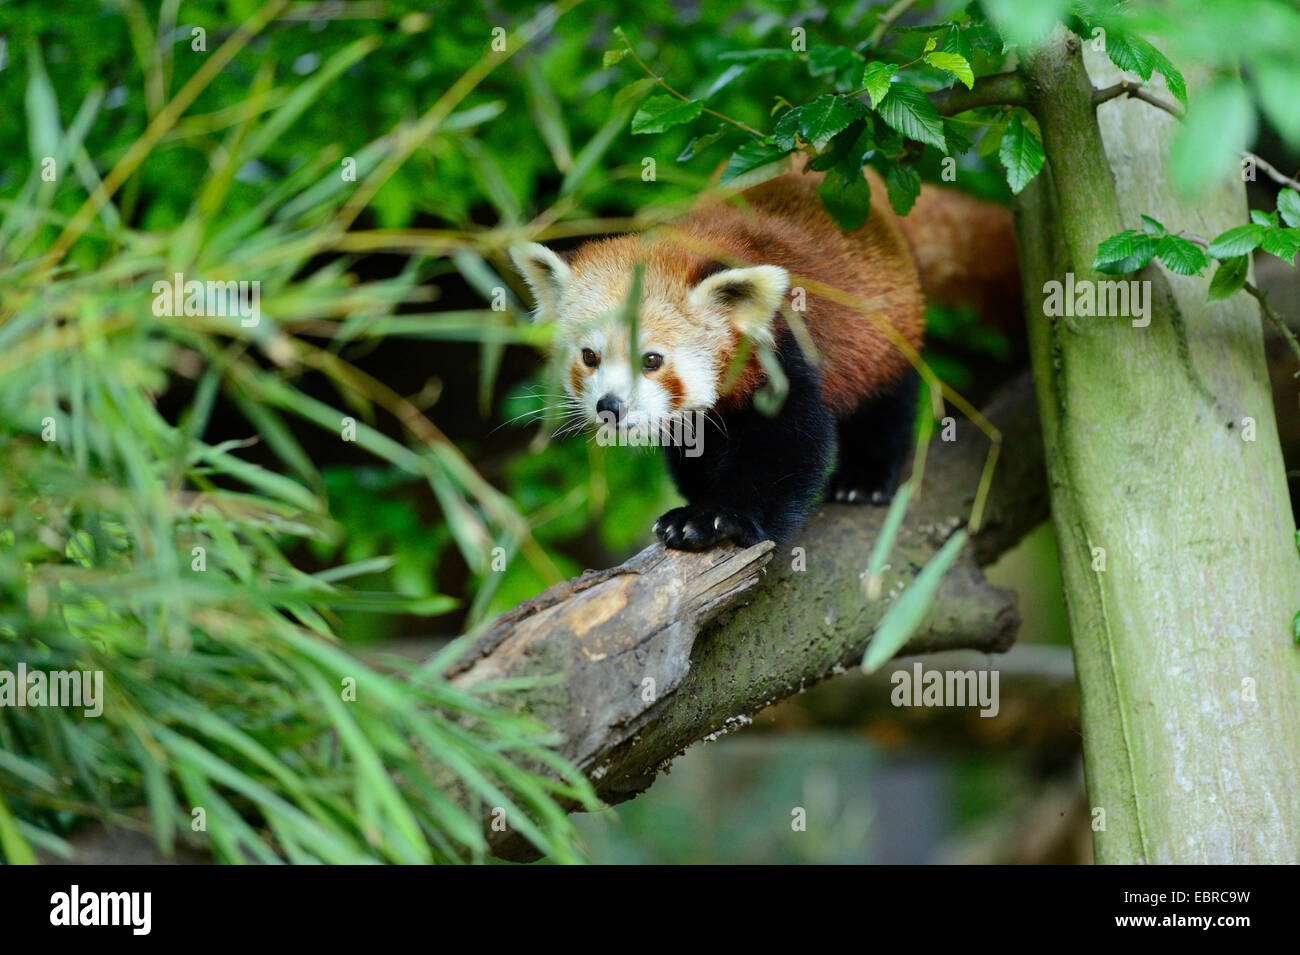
(965, 250)
(962, 248)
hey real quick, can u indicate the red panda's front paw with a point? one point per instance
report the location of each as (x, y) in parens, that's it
(701, 527)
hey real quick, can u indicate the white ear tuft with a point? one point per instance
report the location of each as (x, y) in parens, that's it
(749, 297)
(546, 274)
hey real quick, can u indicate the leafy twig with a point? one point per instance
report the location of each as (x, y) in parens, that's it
(683, 97)
(1265, 305)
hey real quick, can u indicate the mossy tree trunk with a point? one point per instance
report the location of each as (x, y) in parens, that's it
(1169, 500)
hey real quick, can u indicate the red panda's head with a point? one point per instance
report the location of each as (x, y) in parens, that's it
(690, 321)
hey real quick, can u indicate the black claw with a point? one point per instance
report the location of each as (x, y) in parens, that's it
(701, 527)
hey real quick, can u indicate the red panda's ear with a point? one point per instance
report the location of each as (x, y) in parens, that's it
(545, 272)
(749, 297)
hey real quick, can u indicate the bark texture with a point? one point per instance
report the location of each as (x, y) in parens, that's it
(1169, 501)
(642, 660)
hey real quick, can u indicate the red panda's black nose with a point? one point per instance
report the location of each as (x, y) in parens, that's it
(609, 404)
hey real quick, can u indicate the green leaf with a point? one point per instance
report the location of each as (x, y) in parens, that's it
(1131, 53)
(992, 139)
(1237, 241)
(613, 56)
(13, 847)
(955, 41)
(903, 184)
(838, 63)
(1295, 626)
(1228, 277)
(1220, 123)
(1024, 23)
(955, 64)
(590, 154)
(1277, 242)
(1151, 227)
(1277, 87)
(910, 111)
(901, 620)
(1124, 252)
(43, 127)
(884, 544)
(1021, 153)
(827, 115)
(659, 113)
(954, 134)
(1173, 78)
(876, 80)
(847, 199)
(728, 76)
(848, 150)
(1180, 256)
(548, 116)
(1288, 204)
(701, 143)
(1263, 218)
(752, 155)
(785, 133)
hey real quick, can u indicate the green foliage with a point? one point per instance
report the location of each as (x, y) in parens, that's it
(139, 546)
(664, 112)
(1126, 251)
(908, 610)
(1136, 55)
(909, 111)
(1021, 153)
(856, 112)
(1132, 249)
(225, 682)
(1228, 278)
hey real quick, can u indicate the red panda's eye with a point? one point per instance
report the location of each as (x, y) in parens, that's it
(651, 360)
(590, 358)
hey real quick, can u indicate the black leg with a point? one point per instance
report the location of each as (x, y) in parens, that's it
(757, 476)
(874, 442)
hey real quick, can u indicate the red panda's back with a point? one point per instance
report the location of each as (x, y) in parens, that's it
(864, 277)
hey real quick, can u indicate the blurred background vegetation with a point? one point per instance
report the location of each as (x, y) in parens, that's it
(377, 291)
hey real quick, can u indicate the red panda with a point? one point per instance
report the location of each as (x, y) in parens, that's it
(722, 274)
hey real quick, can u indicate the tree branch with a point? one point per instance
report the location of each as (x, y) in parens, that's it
(637, 662)
(1273, 172)
(1139, 91)
(998, 89)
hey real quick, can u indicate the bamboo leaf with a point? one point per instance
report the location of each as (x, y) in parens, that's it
(884, 544)
(907, 612)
